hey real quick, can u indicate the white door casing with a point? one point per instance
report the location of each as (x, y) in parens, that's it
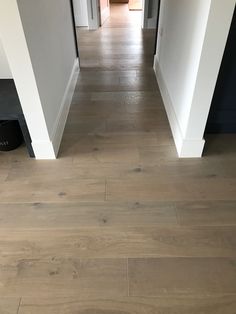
(150, 12)
(93, 14)
(81, 13)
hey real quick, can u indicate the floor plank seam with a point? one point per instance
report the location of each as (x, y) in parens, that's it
(105, 194)
(178, 220)
(127, 261)
(18, 309)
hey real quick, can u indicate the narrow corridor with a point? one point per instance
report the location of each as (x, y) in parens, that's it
(117, 122)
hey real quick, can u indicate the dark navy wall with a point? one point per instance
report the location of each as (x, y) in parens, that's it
(222, 117)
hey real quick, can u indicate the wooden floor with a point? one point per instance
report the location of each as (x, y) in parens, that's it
(118, 224)
(135, 5)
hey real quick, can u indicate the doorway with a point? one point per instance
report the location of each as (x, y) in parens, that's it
(220, 130)
(122, 17)
(95, 14)
(222, 117)
(119, 43)
(116, 103)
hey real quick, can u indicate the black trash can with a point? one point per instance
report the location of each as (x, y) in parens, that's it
(10, 135)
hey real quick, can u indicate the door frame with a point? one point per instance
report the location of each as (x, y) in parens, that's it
(149, 21)
(157, 25)
(74, 28)
(93, 14)
(94, 19)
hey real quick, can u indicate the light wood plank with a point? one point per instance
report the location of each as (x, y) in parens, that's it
(110, 242)
(67, 190)
(83, 215)
(198, 276)
(9, 305)
(131, 305)
(211, 213)
(62, 276)
(171, 189)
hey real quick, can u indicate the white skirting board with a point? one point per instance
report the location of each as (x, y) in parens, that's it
(49, 149)
(186, 148)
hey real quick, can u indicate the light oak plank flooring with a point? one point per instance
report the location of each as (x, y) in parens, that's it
(132, 305)
(204, 276)
(9, 305)
(118, 224)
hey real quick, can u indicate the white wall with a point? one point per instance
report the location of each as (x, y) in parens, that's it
(182, 30)
(5, 72)
(81, 12)
(93, 14)
(39, 43)
(49, 35)
(191, 41)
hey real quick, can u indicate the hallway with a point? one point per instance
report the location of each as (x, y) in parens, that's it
(118, 224)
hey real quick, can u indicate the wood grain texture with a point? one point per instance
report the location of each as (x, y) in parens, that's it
(9, 305)
(41, 216)
(65, 277)
(169, 189)
(211, 213)
(118, 224)
(116, 242)
(200, 276)
(131, 305)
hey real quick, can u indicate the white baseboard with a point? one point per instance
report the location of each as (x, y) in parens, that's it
(186, 148)
(60, 123)
(49, 149)
(192, 148)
